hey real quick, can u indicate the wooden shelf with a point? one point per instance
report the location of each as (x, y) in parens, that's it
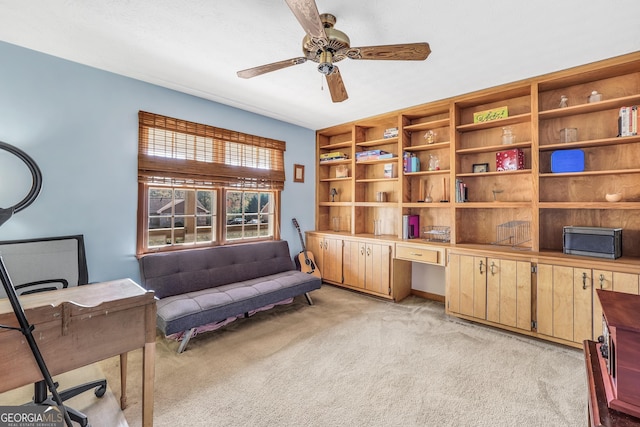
(519, 118)
(376, 180)
(589, 173)
(494, 148)
(427, 147)
(606, 104)
(335, 179)
(535, 194)
(377, 161)
(435, 124)
(425, 205)
(375, 142)
(346, 144)
(497, 173)
(493, 205)
(603, 142)
(329, 204)
(590, 205)
(427, 173)
(335, 162)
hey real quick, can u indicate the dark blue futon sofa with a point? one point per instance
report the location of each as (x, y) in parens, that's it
(200, 287)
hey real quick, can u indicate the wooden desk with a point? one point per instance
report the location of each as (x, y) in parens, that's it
(79, 326)
(599, 412)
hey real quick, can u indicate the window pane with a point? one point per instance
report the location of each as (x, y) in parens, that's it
(249, 215)
(180, 216)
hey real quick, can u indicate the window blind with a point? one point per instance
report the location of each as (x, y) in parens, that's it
(178, 152)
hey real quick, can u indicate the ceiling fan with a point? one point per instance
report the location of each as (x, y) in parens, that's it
(326, 45)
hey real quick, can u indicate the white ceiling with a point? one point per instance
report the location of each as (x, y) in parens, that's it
(197, 46)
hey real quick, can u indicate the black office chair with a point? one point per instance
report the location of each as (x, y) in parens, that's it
(40, 265)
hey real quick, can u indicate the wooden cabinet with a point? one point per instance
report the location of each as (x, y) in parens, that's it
(367, 267)
(564, 296)
(627, 283)
(489, 288)
(467, 285)
(509, 293)
(327, 251)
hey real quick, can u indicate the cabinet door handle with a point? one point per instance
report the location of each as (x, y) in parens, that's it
(415, 254)
(481, 264)
(493, 264)
(361, 250)
(601, 281)
(368, 251)
(584, 280)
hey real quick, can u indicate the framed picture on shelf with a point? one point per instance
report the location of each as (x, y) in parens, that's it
(480, 167)
(298, 173)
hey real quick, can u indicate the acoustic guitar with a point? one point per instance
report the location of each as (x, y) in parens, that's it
(304, 260)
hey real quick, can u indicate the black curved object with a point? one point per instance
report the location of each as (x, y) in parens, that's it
(36, 185)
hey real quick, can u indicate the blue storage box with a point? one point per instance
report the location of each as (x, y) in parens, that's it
(567, 161)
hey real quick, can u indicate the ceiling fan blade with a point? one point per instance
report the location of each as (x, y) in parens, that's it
(336, 86)
(306, 12)
(403, 52)
(267, 68)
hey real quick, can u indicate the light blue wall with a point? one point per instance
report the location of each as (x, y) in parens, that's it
(80, 125)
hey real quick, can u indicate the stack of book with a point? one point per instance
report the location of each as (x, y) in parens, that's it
(373, 155)
(628, 121)
(336, 155)
(461, 191)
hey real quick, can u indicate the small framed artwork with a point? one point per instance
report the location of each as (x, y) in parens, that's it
(480, 167)
(298, 173)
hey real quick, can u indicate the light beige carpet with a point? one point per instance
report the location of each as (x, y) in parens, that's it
(352, 360)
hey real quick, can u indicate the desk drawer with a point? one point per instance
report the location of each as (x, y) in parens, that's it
(425, 255)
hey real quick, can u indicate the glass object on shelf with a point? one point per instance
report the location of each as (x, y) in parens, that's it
(334, 193)
(434, 162)
(495, 192)
(428, 198)
(507, 135)
(377, 227)
(430, 137)
(564, 101)
(437, 233)
(595, 96)
(568, 135)
(335, 222)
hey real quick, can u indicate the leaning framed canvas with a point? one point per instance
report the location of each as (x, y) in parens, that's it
(480, 167)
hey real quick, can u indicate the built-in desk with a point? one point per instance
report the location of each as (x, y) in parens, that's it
(77, 326)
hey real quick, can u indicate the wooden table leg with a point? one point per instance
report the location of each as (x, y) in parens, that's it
(123, 381)
(148, 372)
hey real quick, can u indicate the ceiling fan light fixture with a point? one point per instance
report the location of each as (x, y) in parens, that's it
(325, 66)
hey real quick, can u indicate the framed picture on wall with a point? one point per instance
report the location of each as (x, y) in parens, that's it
(298, 173)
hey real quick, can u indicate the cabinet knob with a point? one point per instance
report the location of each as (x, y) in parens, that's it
(584, 280)
(481, 264)
(601, 281)
(493, 264)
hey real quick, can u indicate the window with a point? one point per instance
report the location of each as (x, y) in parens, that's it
(186, 168)
(180, 216)
(249, 214)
